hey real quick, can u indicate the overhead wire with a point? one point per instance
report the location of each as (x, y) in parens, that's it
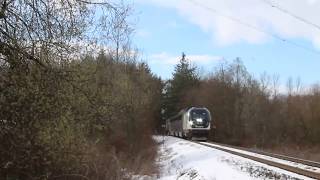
(239, 21)
(291, 14)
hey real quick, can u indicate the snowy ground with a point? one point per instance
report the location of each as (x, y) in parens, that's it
(281, 161)
(183, 160)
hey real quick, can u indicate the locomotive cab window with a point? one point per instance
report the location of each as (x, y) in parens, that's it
(199, 114)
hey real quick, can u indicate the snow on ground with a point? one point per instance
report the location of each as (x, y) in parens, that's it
(281, 161)
(184, 160)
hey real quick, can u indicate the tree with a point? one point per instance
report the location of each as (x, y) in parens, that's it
(62, 115)
(43, 31)
(185, 78)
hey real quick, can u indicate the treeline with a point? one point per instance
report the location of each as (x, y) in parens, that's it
(91, 118)
(252, 112)
(66, 110)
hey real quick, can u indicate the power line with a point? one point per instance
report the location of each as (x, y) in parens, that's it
(291, 14)
(239, 21)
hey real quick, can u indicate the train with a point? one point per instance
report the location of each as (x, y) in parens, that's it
(190, 123)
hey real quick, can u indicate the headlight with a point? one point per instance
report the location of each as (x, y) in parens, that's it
(199, 120)
(191, 123)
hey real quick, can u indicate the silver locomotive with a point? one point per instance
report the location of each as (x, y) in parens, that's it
(191, 123)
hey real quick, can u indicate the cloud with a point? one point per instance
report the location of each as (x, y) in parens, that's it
(169, 59)
(253, 12)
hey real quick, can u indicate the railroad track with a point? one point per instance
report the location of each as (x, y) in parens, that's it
(299, 166)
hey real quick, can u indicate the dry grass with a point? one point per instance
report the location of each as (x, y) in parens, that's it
(122, 165)
(140, 160)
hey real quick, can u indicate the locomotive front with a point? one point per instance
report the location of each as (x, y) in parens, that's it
(199, 123)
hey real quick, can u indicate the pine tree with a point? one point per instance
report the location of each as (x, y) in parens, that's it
(184, 78)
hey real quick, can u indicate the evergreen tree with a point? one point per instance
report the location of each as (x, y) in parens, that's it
(184, 78)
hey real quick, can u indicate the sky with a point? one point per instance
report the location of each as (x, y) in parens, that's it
(267, 38)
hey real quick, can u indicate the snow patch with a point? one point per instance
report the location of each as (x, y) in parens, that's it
(184, 160)
(289, 163)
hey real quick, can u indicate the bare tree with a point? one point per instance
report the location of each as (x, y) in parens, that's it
(290, 86)
(265, 83)
(275, 85)
(298, 86)
(61, 28)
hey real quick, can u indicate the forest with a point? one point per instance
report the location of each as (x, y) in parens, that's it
(249, 111)
(77, 101)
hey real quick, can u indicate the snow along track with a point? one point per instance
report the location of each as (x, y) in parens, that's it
(279, 156)
(307, 168)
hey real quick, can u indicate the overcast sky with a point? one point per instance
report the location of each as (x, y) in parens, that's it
(211, 30)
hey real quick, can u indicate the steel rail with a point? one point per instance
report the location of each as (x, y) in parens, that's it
(279, 156)
(287, 167)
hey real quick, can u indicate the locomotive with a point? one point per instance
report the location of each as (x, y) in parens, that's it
(190, 123)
